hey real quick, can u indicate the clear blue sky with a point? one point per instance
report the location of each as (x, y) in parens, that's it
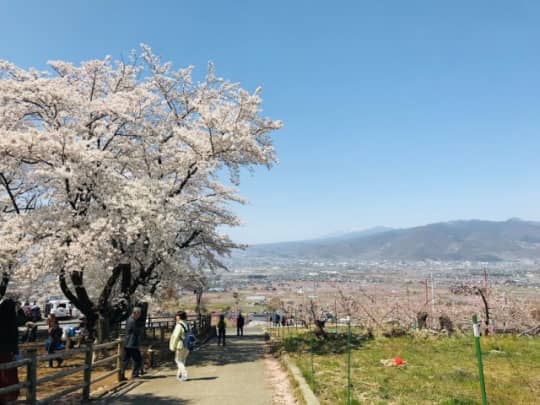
(396, 113)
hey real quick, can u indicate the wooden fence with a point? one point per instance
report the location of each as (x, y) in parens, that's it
(32, 381)
(200, 325)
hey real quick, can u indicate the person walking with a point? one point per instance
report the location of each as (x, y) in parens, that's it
(132, 342)
(221, 327)
(176, 345)
(277, 319)
(54, 341)
(9, 347)
(30, 334)
(240, 324)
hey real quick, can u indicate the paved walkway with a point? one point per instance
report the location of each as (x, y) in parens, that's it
(230, 375)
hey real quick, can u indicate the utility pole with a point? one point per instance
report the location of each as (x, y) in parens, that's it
(335, 313)
(426, 289)
(432, 296)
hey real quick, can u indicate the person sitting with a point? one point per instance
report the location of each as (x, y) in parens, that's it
(70, 337)
(81, 332)
(54, 341)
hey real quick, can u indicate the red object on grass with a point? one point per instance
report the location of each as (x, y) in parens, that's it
(398, 361)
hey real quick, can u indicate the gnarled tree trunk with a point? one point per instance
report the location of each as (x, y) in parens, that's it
(421, 319)
(101, 316)
(487, 314)
(4, 284)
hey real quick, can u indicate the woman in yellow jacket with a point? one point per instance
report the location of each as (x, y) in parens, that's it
(176, 345)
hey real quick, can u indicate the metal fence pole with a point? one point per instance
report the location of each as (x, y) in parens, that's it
(312, 366)
(476, 330)
(349, 385)
(335, 314)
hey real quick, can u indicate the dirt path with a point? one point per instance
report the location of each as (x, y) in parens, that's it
(239, 373)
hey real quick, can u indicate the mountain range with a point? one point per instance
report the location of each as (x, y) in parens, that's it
(475, 240)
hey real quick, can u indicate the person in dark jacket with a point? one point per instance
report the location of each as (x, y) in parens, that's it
(132, 341)
(21, 317)
(30, 334)
(240, 324)
(9, 347)
(221, 328)
(277, 319)
(54, 341)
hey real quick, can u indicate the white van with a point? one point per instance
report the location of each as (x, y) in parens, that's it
(63, 309)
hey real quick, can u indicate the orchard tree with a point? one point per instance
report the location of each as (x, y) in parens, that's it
(128, 168)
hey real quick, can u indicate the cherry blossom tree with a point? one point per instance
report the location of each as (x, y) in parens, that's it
(124, 167)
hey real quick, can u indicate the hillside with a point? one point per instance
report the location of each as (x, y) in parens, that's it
(457, 240)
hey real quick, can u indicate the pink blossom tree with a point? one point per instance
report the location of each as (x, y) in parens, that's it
(128, 168)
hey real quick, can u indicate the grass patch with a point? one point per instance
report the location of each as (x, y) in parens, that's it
(335, 343)
(439, 370)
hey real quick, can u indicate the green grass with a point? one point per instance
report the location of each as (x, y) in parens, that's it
(439, 370)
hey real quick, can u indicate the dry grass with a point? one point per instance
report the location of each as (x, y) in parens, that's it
(49, 388)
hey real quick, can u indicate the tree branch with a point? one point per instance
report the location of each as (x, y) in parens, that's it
(103, 300)
(11, 196)
(187, 242)
(191, 171)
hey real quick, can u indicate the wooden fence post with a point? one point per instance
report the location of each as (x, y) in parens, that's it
(161, 334)
(120, 352)
(31, 377)
(87, 374)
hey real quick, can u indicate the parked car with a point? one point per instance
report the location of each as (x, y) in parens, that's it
(261, 317)
(63, 309)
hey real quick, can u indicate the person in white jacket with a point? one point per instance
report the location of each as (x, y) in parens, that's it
(176, 345)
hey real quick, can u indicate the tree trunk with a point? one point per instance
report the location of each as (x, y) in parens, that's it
(198, 297)
(319, 325)
(100, 317)
(421, 319)
(486, 310)
(119, 310)
(80, 299)
(4, 284)
(103, 330)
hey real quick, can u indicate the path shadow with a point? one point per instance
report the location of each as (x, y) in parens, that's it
(143, 399)
(236, 350)
(151, 377)
(201, 379)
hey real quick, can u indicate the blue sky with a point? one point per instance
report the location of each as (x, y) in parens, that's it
(396, 113)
